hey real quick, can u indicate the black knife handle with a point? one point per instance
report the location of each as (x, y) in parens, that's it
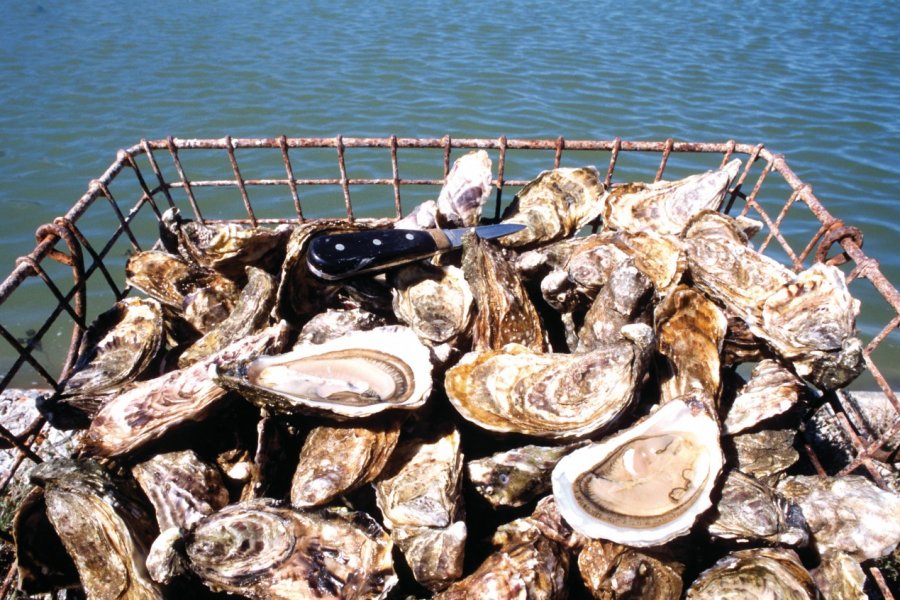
(339, 255)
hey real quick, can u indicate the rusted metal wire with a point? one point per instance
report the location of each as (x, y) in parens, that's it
(829, 235)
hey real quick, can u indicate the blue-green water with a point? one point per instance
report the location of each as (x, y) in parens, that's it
(816, 81)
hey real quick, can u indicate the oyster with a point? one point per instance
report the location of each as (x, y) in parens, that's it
(660, 257)
(846, 514)
(104, 526)
(840, 577)
(751, 511)
(116, 349)
(336, 459)
(555, 205)
(334, 323)
(550, 395)
(771, 390)
(690, 330)
(465, 190)
(434, 302)
(262, 550)
(250, 314)
(646, 484)
(203, 296)
(419, 494)
(765, 454)
(667, 206)
(357, 375)
(182, 488)
(505, 312)
(155, 407)
(516, 476)
(41, 559)
(625, 299)
(755, 573)
(423, 216)
(613, 571)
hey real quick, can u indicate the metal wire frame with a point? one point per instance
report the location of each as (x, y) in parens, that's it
(831, 231)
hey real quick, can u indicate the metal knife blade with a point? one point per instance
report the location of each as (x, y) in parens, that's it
(340, 255)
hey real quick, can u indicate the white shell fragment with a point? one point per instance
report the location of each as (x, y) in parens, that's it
(465, 190)
(647, 484)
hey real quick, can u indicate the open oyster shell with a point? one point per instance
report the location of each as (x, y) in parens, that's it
(465, 190)
(262, 550)
(755, 573)
(555, 205)
(550, 395)
(356, 375)
(646, 484)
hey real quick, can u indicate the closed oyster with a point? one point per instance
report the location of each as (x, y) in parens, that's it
(42, 561)
(755, 573)
(625, 299)
(840, 577)
(419, 495)
(357, 375)
(646, 484)
(765, 454)
(156, 407)
(182, 488)
(334, 323)
(751, 511)
(846, 514)
(611, 571)
(771, 390)
(660, 257)
(505, 312)
(690, 329)
(550, 395)
(465, 190)
(555, 205)
(423, 216)
(667, 206)
(250, 314)
(202, 295)
(336, 459)
(517, 476)
(116, 349)
(263, 550)
(434, 302)
(104, 526)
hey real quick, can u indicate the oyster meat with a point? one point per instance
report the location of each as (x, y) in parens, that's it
(465, 190)
(550, 395)
(646, 484)
(611, 571)
(356, 375)
(555, 205)
(755, 573)
(262, 550)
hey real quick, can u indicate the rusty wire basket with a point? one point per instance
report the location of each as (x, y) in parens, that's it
(289, 180)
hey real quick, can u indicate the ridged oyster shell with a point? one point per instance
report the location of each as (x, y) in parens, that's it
(611, 571)
(771, 391)
(356, 375)
(549, 395)
(465, 190)
(434, 302)
(263, 550)
(755, 573)
(646, 484)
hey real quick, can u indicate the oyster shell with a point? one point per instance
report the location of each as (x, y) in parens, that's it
(423, 216)
(42, 561)
(505, 312)
(202, 295)
(690, 329)
(846, 514)
(771, 390)
(334, 323)
(104, 526)
(434, 302)
(660, 257)
(155, 407)
(765, 454)
(116, 349)
(646, 484)
(262, 550)
(554, 205)
(550, 395)
(465, 190)
(250, 314)
(517, 476)
(182, 488)
(751, 511)
(840, 577)
(357, 375)
(755, 573)
(667, 206)
(419, 494)
(610, 571)
(625, 299)
(336, 459)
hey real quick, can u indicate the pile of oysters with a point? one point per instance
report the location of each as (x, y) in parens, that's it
(549, 414)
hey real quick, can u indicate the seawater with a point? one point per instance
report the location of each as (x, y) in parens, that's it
(816, 81)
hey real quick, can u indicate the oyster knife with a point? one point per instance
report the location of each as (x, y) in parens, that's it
(341, 255)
